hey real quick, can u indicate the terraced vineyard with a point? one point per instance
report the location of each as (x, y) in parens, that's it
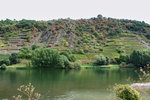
(13, 44)
(125, 44)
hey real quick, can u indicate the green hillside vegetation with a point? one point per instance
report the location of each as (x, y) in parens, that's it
(83, 38)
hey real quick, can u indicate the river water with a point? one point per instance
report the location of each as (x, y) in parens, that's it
(85, 84)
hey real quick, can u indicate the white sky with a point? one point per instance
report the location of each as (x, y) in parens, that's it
(75, 9)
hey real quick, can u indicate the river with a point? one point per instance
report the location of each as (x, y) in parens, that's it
(84, 84)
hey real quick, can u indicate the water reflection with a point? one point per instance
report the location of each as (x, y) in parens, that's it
(56, 84)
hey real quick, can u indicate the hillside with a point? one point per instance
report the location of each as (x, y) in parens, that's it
(95, 35)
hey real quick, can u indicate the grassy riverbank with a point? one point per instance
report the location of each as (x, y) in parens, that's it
(103, 66)
(23, 62)
(20, 65)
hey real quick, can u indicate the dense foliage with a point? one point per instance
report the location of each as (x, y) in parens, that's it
(101, 60)
(46, 57)
(126, 92)
(69, 56)
(139, 58)
(13, 27)
(26, 52)
(5, 61)
(3, 66)
(14, 58)
(50, 58)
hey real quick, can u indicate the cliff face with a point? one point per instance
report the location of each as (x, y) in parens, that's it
(55, 35)
(87, 34)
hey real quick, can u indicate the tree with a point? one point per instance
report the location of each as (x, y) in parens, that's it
(101, 60)
(69, 56)
(122, 58)
(34, 47)
(25, 52)
(47, 57)
(14, 58)
(139, 58)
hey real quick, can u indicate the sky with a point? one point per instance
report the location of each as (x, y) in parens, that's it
(74, 9)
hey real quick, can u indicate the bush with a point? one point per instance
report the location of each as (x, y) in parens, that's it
(130, 65)
(69, 57)
(5, 61)
(3, 66)
(29, 65)
(100, 49)
(101, 60)
(126, 92)
(25, 52)
(119, 50)
(113, 61)
(47, 57)
(75, 65)
(81, 51)
(122, 58)
(66, 62)
(139, 58)
(34, 47)
(123, 64)
(14, 58)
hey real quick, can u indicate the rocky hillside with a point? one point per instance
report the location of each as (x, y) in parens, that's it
(107, 35)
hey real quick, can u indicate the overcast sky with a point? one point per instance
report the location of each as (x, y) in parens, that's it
(75, 9)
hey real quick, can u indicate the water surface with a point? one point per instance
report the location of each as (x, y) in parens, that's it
(85, 84)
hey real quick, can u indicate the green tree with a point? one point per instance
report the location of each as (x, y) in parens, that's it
(101, 60)
(25, 52)
(69, 56)
(139, 58)
(14, 58)
(47, 57)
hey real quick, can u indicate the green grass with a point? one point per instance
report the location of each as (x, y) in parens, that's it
(16, 67)
(87, 66)
(91, 55)
(21, 65)
(80, 56)
(117, 42)
(111, 54)
(110, 66)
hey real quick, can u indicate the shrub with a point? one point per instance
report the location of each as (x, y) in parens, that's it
(66, 62)
(14, 58)
(5, 61)
(29, 65)
(126, 92)
(119, 50)
(72, 58)
(46, 57)
(101, 60)
(139, 58)
(34, 47)
(130, 65)
(123, 64)
(27, 91)
(69, 57)
(113, 61)
(100, 49)
(122, 58)
(75, 65)
(25, 52)
(3, 66)
(81, 51)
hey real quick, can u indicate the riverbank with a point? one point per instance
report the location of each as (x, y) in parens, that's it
(22, 65)
(103, 66)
